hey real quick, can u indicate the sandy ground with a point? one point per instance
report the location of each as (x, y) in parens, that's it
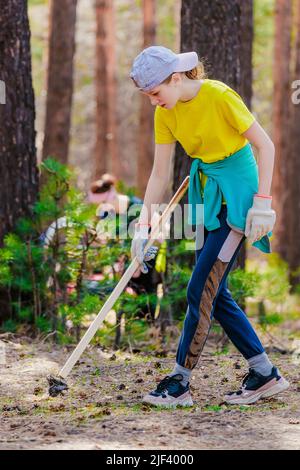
(103, 409)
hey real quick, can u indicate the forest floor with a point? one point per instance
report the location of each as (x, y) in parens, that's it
(103, 409)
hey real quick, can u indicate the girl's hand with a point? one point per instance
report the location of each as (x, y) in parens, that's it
(260, 218)
(138, 244)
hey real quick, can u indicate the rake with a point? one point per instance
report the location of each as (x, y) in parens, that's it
(58, 384)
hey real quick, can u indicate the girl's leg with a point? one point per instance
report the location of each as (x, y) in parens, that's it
(233, 320)
(236, 324)
(240, 331)
(214, 262)
(263, 379)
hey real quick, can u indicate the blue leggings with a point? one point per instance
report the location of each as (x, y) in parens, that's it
(208, 297)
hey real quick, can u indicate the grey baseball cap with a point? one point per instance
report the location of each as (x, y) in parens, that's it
(154, 64)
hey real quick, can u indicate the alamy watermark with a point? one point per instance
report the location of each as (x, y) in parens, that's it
(122, 226)
(296, 93)
(110, 226)
(2, 92)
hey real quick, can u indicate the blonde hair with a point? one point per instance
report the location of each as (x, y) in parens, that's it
(197, 73)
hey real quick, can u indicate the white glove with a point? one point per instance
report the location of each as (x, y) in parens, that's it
(260, 218)
(138, 244)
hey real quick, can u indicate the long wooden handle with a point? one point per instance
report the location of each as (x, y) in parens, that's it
(88, 336)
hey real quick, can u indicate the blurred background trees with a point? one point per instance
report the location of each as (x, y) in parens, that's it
(87, 112)
(145, 134)
(106, 156)
(18, 164)
(61, 50)
(222, 34)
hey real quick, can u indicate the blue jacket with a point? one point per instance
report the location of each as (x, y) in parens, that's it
(236, 176)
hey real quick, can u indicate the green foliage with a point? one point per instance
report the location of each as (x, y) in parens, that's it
(272, 290)
(48, 263)
(88, 305)
(137, 329)
(180, 262)
(167, 32)
(271, 319)
(223, 352)
(37, 12)
(122, 188)
(274, 280)
(43, 324)
(213, 408)
(242, 283)
(10, 325)
(37, 2)
(45, 262)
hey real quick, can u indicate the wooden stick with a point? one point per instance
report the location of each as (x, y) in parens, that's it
(64, 372)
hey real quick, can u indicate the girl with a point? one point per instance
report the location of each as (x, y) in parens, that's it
(214, 126)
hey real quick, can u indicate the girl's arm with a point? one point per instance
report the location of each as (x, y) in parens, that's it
(158, 180)
(266, 154)
(261, 217)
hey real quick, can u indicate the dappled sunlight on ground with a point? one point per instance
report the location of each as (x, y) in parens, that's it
(103, 407)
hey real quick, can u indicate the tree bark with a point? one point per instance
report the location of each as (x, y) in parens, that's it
(18, 166)
(145, 139)
(293, 204)
(244, 87)
(214, 30)
(221, 33)
(60, 79)
(106, 154)
(281, 115)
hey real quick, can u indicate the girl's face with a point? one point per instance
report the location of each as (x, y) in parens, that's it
(165, 95)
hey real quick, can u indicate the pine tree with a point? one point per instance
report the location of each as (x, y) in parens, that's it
(18, 168)
(145, 138)
(60, 79)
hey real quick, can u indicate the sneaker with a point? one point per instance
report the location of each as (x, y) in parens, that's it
(170, 393)
(256, 386)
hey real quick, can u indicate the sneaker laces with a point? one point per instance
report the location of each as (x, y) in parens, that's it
(247, 376)
(244, 380)
(162, 386)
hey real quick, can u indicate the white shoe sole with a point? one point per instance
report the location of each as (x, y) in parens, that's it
(264, 392)
(169, 402)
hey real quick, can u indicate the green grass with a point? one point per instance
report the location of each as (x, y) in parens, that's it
(259, 407)
(37, 2)
(212, 408)
(223, 352)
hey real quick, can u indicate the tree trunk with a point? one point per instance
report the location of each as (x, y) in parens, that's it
(244, 87)
(221, 33)
(145, 139)
(293, 204)
(214, 31)
(60, 79)
(18, 169)
(281, 112)
(106, 155)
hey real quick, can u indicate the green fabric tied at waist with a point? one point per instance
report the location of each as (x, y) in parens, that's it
(236, 177)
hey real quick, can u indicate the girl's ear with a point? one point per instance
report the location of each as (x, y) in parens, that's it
(176, 78)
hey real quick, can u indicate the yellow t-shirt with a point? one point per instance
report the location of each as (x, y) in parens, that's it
(209, 126)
